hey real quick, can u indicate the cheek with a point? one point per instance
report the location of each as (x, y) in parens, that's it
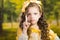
(28, 18)
(37, 17)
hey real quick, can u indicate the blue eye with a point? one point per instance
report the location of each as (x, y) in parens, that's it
(35, 13)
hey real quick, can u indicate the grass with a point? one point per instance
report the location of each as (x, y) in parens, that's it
(9, 31)
(10, 25)
(8, 34)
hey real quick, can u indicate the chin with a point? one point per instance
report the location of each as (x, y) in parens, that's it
(33, 23)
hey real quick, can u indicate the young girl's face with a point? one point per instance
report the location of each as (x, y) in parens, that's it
(33, 15)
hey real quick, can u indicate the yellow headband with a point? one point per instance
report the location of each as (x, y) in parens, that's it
(26, 3)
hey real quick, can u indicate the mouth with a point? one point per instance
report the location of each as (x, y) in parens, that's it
(32, 20)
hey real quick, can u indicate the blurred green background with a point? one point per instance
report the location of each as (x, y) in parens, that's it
(11, 9)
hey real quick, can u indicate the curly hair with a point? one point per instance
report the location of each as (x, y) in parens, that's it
(43, 26)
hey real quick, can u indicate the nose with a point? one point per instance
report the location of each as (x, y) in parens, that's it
(32, 16)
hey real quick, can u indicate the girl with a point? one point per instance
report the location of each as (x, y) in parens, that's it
(32, 24)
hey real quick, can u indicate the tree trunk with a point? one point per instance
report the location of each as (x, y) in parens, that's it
(1, 21)
(1, 16)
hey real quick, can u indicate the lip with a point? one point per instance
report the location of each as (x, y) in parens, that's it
(32, 20)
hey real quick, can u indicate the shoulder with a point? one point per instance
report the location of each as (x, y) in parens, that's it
(51, 32)
(19, 31)
(52, 35)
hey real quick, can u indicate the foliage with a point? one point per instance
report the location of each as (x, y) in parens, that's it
(8, 34)
(12, 9)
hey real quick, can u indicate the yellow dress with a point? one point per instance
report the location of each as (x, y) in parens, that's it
(35, 34)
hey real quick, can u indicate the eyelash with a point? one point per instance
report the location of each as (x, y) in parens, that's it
(35, 13)
(30, 14)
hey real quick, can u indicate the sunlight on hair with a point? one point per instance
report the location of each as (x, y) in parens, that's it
(26, 3)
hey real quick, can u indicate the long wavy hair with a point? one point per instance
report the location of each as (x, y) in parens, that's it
(43, 26)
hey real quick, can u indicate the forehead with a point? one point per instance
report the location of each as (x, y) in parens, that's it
(33, 9)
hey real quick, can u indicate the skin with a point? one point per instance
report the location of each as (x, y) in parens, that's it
(33, 16)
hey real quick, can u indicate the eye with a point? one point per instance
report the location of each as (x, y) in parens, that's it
(29, 14)
(35, 13)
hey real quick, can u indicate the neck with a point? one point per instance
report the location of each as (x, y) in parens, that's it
(35, 26)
